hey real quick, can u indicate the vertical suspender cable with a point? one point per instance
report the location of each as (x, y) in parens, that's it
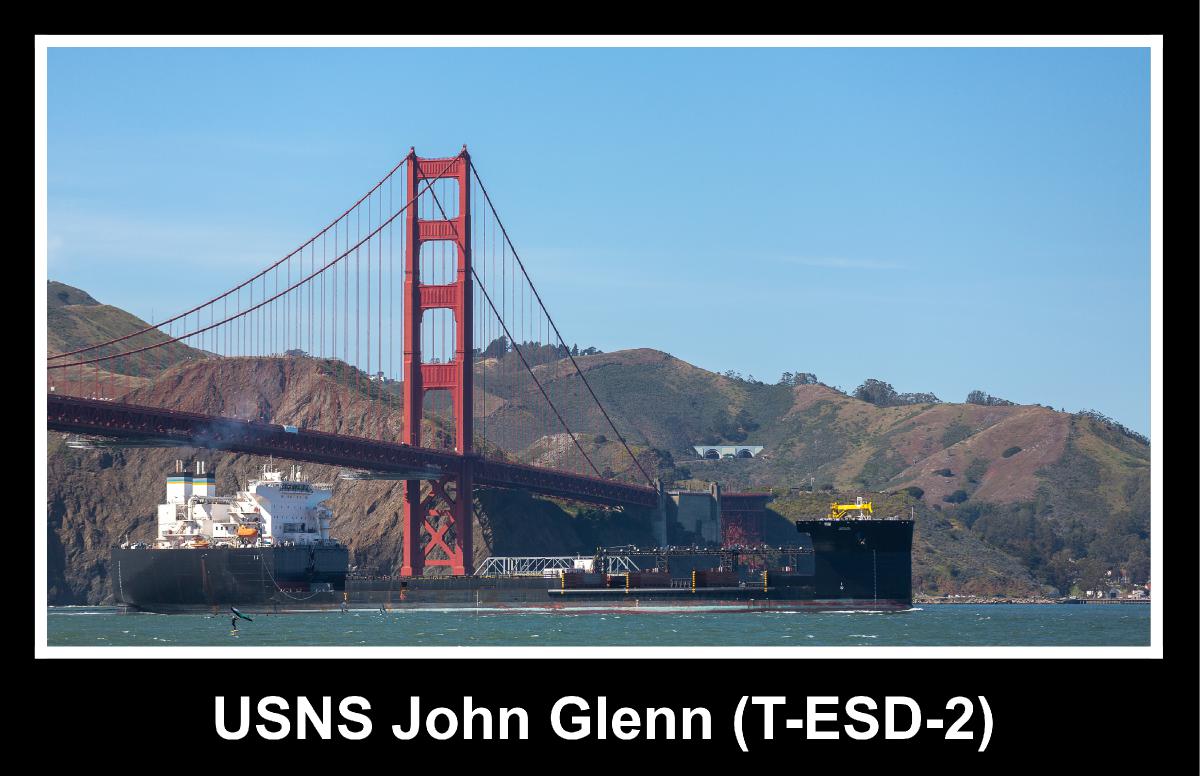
(578, 371)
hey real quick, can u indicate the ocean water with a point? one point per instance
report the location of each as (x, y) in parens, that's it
(929, 625)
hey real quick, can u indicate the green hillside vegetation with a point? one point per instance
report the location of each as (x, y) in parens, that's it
(1090, 515)
(76, 320)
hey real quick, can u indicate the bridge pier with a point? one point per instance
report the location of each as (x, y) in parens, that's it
(413, 520)
(445, 515)
(659, 517)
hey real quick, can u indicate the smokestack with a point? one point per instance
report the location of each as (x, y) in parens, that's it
(204, 483)
(179, 484)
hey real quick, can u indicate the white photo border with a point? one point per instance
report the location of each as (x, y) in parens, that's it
(1152, 42)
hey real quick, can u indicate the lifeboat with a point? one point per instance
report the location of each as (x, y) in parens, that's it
(247, 531)
(198, 544)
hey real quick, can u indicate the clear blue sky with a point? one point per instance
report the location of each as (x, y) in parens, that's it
(943, 219)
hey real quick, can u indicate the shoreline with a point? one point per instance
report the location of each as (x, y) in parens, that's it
(973, 601)
(917, 601)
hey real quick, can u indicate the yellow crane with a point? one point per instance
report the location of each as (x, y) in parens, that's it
(838, 511)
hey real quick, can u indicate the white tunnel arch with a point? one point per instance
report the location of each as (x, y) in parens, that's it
(717, 452)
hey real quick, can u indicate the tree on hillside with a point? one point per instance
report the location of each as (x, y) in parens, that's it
(987, 400)
(882, 394)
(799, 378)
(1092, 574)
(1113, 425)
(732, 429)
(744, 422)
(1138, 566)
(876, 392)
(497, 347)
(975, 471)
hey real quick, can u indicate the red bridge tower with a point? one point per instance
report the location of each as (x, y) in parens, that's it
(444, 514)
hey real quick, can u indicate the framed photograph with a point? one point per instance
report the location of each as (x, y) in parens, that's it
(602, 394)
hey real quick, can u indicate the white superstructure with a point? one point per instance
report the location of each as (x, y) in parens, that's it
(272, 510)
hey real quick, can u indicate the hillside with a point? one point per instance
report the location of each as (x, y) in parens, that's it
(1008, 499)
(1067, 496)
(75, 320)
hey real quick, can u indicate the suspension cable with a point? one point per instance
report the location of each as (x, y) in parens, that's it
(240, 285)
(578, 371)
(516, 347)
(263, 302)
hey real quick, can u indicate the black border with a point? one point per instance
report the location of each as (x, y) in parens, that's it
(1071, 713)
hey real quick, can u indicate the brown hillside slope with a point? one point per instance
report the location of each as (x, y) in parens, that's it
(1039, 432)
(1051, 488)
(315, 394)
(75, 320)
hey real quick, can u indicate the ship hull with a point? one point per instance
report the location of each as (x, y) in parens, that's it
(839, 565)
(191, 579)
(868, 560)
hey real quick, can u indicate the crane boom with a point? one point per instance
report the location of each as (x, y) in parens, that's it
(838, 511)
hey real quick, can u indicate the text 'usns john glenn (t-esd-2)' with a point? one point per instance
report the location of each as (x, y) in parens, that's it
(756, 719)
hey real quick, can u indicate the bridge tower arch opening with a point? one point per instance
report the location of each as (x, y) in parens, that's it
(437, 524)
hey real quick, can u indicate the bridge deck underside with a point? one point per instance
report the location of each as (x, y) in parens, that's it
(183, 429)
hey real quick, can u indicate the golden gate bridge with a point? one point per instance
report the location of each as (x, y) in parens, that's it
(418, 254)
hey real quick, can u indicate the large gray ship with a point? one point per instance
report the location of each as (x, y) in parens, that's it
(269, 548)
(268, 542)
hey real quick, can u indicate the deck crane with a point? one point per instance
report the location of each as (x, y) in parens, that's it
(839, 511)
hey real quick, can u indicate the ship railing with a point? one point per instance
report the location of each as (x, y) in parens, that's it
(617, 564)
(538, 565)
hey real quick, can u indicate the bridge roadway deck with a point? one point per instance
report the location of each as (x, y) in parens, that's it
(185, 429)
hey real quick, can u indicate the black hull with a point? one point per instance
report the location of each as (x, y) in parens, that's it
(165, 580)
(850, 564)
(861, 559)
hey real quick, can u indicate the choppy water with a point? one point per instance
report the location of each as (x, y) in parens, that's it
(931, 625)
